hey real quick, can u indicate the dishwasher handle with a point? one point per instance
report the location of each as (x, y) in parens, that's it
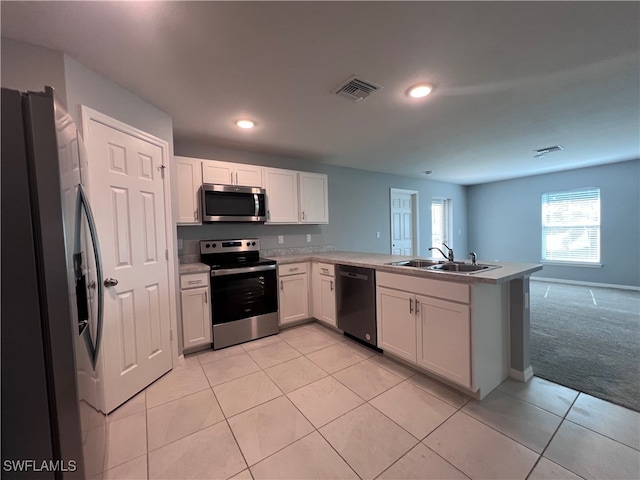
(356, 276)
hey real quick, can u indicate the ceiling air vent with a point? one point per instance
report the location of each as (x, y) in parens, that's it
(544, 151)
(357, 89)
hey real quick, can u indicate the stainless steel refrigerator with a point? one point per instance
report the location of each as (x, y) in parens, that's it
(51, 309)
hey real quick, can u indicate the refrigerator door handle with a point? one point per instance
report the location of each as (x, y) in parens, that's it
(82, 205)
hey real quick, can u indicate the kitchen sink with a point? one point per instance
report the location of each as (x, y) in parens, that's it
(455, 267)
(444, 266)
(416, 262)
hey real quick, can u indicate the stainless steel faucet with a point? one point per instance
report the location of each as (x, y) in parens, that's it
(474, 258)
(448, 255)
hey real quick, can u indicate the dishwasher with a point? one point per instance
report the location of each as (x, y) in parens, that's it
(356, 303)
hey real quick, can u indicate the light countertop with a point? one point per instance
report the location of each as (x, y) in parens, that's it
(187, 268)
(506, 272)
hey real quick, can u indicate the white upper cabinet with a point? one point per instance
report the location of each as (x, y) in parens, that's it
(226, 173)
(296, 197)
(314, 198)
(189, 174)
(282, 195)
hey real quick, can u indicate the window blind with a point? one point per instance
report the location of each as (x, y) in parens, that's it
(571, 226)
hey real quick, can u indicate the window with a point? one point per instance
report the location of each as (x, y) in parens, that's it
(571, 226)
(440, 222)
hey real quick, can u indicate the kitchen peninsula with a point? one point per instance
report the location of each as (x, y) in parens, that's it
(470, 330)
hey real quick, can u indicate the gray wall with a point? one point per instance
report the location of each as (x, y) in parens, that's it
(505, 221)
(28, 67)
(358, 207)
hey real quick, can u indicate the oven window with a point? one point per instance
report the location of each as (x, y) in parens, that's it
(218, 204)
(243, 295)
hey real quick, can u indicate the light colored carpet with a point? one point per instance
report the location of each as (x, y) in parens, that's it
(588, 339)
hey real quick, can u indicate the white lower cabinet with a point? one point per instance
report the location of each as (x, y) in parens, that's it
(430, 332)
(293, 293)
(396, 323)
(444, 338)
(196, 310)
(323, 297)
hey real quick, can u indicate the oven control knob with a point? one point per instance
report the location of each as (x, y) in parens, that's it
(214, 245)
(253, 244)
(248, 244)
(207, 245)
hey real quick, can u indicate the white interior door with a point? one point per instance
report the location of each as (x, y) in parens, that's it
(403, 227)
(127, 193)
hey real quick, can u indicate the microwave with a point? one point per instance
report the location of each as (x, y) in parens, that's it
(233, 203)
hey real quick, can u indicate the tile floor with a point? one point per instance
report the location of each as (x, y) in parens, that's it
(310, 404)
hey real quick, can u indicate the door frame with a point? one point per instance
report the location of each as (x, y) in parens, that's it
(415, 234)
(89, 115)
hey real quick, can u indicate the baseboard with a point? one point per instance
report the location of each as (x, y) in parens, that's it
(586, 284)
(521, 376)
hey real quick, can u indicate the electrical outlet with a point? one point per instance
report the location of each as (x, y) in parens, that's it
(280, 239)
(377, 234)
(308, 238)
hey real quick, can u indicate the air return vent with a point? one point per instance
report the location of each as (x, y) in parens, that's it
(544, 151)
(357, 89)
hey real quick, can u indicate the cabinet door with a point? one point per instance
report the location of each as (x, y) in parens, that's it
(189, 174)
(217, 172)
(248, 175)
(282, 195)
(314, 200)
(444, 339)
(328, 300)
(196, 317)
(397, 322)
(294, 298)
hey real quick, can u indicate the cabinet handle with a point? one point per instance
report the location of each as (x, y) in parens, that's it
(294, 269)
(331, 285)
(195, 214)
(191, 282)
(268, 215)
(417, 307)
(411, 305)
(231, 181)
(236, 178)
(281, 285)
(303, 215)
(206, 297)
(325, 270)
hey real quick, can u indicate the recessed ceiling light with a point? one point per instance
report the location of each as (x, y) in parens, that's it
(419, 91)
(245, 123)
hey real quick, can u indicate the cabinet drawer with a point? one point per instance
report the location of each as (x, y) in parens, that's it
(292, 269)
(194, 280)
(326, 269)
(458, 292)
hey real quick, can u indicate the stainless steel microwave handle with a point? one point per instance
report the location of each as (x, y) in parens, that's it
(256, 204)
(237, 271)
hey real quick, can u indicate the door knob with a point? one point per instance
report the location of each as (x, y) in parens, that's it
(110, 282)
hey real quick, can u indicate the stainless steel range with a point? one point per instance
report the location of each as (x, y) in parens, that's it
(244, 291)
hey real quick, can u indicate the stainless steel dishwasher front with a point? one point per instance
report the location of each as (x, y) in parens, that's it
(356, 302)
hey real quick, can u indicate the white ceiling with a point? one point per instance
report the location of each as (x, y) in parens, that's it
(510, 77)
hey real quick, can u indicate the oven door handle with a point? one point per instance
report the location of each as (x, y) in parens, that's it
(237, 271)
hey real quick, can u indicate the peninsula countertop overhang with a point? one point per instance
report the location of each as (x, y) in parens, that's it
(508, 271)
